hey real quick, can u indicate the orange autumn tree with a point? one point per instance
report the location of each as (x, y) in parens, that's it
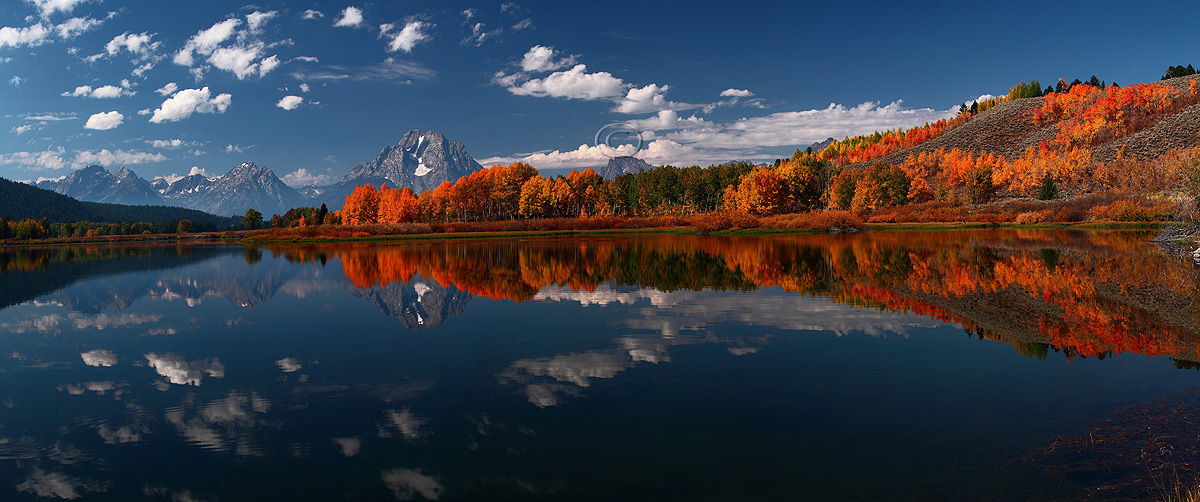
(361, 206)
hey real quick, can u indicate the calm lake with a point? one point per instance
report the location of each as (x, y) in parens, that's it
(953, 365)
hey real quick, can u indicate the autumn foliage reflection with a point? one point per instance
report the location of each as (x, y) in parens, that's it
(1086, 294)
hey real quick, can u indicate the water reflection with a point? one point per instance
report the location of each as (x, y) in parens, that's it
(537, 368)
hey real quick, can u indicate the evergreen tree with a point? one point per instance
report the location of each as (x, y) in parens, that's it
(1048, 190)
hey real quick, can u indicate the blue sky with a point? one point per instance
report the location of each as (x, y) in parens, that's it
(309, 89)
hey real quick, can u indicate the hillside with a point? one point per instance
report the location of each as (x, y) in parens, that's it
(20, 201)
(1009, 128)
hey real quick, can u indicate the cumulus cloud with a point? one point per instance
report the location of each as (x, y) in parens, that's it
(678, 140)
(736, 93)
(104, 121)
(243, 55)
(188, 101)
(352, 17)
(99, 358)
(303, 177)
(168, 89)
(16, 81)
(255, 20)
(304, 87)
(49, 159)
(171, 144)
(76, 26)
(575, 83)
(312, 14)
(413, 33)
(236, 148)
(48, 7)
(104, 91)
(523, 24)
(205, 41)
(541, 58)
(28, 36)
(105, 157)
(139, 45)
(647, 99)
(24, 128)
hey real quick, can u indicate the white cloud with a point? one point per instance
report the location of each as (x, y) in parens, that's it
(104, 121)
(575, 83)
(205, 41)
(139, 45)
(304, 87)
(106, 91)
(49, 159)
(352, 17)
(188, 101)
(238, 59)
(255, 20)
(312, 14)
(48, 7)
(523, 24)
(22, 129)
(76, 26)
(468, 14)
(51, 117)
(243, 57)
(290, 102)
(266, 65)
(480, 34)
(170, 144)
(736, 93)
(541, 58)
(16, 81)
(16, 37)
(412, 34)
(648, 99)
(694, 140)
(99, 358)
(107, 158)
(237, 148)
(168, 89)
(302, 177)
(144, 111)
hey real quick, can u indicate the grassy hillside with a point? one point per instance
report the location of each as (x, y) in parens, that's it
(20, 201)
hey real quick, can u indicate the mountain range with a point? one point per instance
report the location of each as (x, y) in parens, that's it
(422, 160)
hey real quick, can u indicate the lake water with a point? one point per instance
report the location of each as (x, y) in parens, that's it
(956, 365)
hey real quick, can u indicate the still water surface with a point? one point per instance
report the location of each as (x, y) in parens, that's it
(969, 365)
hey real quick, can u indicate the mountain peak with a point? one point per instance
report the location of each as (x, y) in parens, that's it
(422, 160)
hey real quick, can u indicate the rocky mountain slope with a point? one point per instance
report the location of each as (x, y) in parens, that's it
(96, 184)
(422, 160)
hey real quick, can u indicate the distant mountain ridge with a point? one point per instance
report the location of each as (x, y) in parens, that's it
(243, 187)
(21, 200)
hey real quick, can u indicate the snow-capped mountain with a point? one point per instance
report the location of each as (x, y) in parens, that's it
(422, 161)
(243, 187)
(96, 184)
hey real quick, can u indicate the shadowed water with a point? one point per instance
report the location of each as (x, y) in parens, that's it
(981, 365)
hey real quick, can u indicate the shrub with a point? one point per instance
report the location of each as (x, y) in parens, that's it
(723, 220)
(1031, 217)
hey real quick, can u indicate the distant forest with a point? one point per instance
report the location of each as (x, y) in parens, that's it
(20, 201)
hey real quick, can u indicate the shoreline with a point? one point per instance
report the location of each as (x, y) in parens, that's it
(247, 236)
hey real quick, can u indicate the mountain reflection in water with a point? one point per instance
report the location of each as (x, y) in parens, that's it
(584, 368)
